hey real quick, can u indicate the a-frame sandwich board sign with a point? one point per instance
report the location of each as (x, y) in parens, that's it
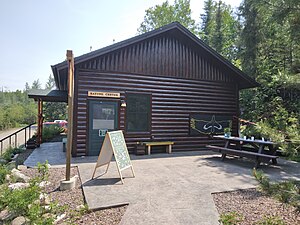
(114, 144)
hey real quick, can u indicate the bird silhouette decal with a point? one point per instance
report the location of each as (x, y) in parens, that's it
(209, 124)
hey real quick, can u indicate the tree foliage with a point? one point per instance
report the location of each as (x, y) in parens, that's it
(165, 13)
(16, 109)
(219, 29)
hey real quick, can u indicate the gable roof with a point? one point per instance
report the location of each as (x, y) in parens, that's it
(60, 69)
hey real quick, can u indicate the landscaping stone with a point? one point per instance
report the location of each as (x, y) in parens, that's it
(47, 215)
(8, 178)
(19, 176)
(2, 161)
(20, 220)
(6, 215)
(59, 218)
(22, 167)
(14, 157)
(18, 185)
(44, 183)
(44, 199)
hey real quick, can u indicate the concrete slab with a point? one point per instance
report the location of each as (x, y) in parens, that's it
(168, 188)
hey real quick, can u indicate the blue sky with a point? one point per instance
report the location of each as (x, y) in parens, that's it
(36, 34)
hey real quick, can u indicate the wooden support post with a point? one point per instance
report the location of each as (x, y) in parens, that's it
(40, 122)
(70, 60)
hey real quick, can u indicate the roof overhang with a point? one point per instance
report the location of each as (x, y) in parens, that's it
(48, 95)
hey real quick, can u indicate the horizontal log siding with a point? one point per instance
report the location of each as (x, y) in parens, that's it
(165, 56)
(173, 99)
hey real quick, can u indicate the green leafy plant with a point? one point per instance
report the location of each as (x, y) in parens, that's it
(230, 218)
(286, 192)
(227, 130)
(10, 152)
(51, 131)
(26, 201)
(43, 169)
(19, 199)
(3, 172)
(271, 220)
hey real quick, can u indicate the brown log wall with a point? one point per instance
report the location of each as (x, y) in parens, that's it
(162, 56)
(173, 99)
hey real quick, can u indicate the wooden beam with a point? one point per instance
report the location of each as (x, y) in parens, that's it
(40, 123)
(70, 60)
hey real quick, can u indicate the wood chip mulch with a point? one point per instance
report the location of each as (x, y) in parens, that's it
(253, 206)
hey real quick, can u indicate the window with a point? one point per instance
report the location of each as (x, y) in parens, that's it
(138, 112)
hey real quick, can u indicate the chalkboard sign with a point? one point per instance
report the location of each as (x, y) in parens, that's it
(209, 123)
(114, 144)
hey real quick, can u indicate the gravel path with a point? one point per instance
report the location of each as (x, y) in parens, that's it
(254, 206)
(74, 198)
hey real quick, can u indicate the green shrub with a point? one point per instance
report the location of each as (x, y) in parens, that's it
(26, 202)
(19, 199)
(3, 172)
(271, 220)
(286, 192)
(43, 170)
(4, 193)
(51, 131)
(10, 152)
(231, 218)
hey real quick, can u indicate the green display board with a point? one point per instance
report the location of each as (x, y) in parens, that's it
(114, 144)
(120, 149)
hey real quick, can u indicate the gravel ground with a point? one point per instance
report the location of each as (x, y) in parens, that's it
(74, 199)
(254, 206)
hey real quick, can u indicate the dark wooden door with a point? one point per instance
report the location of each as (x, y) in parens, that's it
(103, 117)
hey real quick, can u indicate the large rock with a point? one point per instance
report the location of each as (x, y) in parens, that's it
(20, 220)
(6, 215)
(19, 176)
(18, 185)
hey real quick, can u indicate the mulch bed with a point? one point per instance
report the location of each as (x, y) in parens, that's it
(253, 206)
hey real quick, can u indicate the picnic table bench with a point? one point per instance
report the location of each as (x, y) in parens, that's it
(149, 144)
(235, 146)
(259, 157)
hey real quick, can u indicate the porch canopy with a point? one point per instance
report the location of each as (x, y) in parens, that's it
(48, 95)
(41, 95)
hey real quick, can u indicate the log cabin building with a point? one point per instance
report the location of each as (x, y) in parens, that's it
(164, 85)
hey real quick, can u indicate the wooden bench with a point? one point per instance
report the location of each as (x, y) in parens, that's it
(168, 145)
(259, 157)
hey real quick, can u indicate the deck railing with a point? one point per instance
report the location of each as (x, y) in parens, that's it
(13, 140)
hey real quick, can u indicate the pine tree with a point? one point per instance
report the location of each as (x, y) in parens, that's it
(165, 13)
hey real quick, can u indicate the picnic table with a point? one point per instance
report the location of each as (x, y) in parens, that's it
(259, 150)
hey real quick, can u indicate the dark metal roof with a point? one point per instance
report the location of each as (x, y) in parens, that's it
(60, 69)
(48, 95)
